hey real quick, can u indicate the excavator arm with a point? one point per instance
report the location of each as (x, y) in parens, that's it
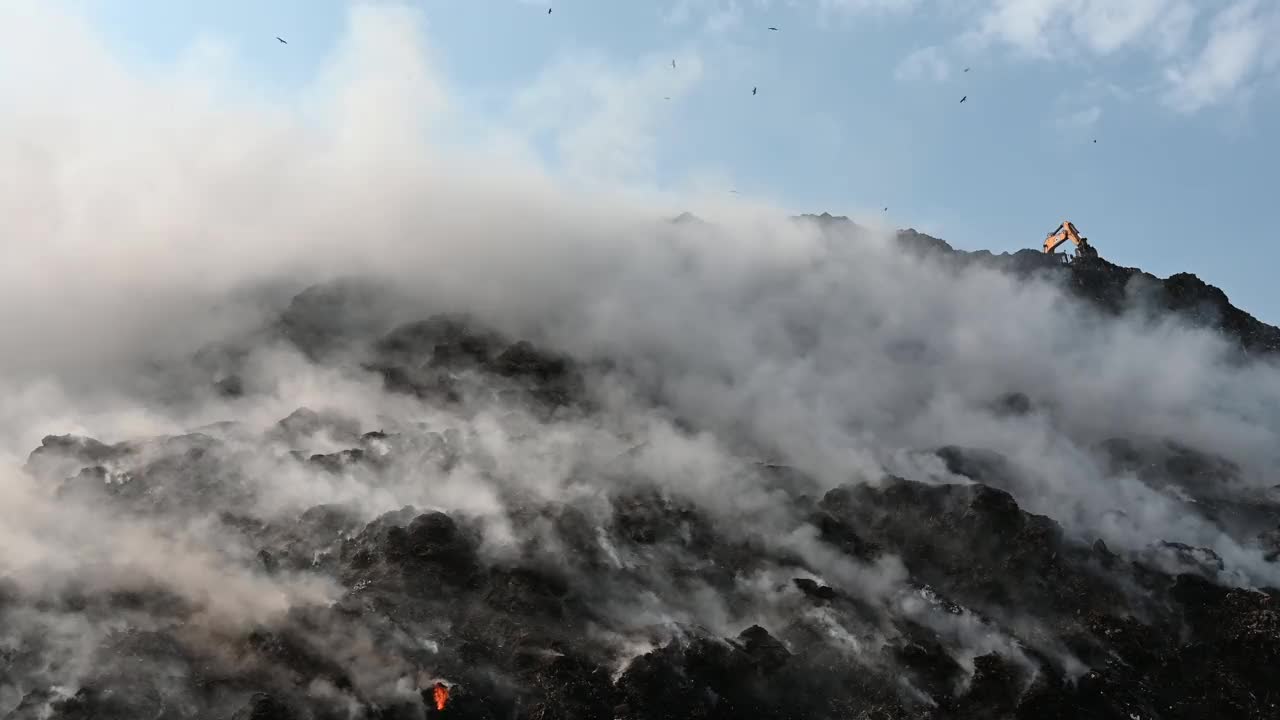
(1064, 232)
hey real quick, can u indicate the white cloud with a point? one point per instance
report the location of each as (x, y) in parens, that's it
(1060, 28)
(717, 15)
(1081, 119)
(1080, 109)
(1159, 34)
(927, 63)
(604, 120)
(1173, 29)
(1111, 26)
(1227, 67)
(1240, 46)
(829, 11)
(1022, 24)
(868, 6)
(1200, 57)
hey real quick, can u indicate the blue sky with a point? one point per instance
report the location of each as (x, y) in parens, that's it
(858, 106)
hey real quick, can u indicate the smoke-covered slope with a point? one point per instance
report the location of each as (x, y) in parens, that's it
(1109, 287)
(326, 405)
(550, 535)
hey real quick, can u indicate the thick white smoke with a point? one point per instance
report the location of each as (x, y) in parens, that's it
(140, 213)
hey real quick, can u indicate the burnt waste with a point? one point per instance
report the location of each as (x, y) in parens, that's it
(600, 588)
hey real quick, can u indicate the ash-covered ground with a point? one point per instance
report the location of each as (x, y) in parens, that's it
(342, 408)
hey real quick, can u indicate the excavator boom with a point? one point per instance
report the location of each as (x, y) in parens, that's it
(1064, 232)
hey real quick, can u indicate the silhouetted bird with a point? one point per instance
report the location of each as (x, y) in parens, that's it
(281, 40)
(963, 98)
(753, 91)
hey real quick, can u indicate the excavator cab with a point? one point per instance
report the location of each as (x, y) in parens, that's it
(1064, 232)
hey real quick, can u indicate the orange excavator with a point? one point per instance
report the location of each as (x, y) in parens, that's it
(1066, 231)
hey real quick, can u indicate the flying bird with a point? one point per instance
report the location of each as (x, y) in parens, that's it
(673, 63)
(548, 11)
(666, 98)
(963, 98)
(966, 69)
(773, 28)
(753, 91)
(886, 209)
(281, 40)
(1095, 140)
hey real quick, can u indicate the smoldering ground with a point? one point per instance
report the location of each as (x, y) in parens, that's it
(306, 483)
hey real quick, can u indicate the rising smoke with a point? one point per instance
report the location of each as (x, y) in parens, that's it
(147, 215)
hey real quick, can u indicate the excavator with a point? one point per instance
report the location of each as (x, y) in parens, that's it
(1064, 232)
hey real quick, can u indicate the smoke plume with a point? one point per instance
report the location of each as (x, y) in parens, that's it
(156, 225)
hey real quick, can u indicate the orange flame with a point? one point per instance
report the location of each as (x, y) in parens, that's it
(441, 693)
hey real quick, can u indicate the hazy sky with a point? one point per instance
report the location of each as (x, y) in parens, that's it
(858, 106)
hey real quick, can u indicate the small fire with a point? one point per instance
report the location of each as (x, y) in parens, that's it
(441, 693)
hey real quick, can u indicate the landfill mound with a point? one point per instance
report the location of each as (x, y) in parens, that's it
(1110, 288)
(603, 588)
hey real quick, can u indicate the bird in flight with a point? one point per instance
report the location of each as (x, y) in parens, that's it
(963, 98)
(753, 91)
(673, 63)
(281, 40)
(966, 69)
(548, 11)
